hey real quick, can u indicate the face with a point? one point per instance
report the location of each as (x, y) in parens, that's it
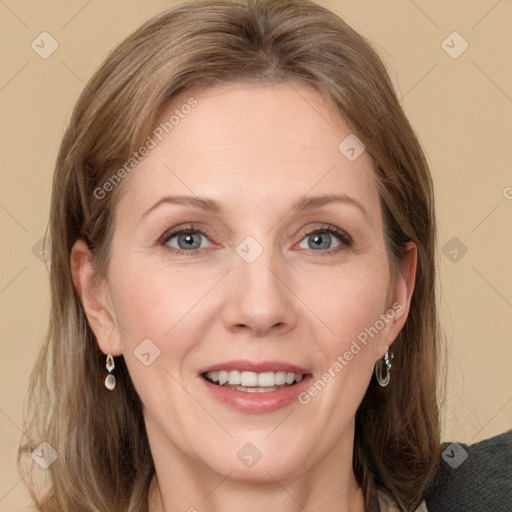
(249, 247)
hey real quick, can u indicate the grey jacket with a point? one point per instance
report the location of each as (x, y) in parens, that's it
(474, 478)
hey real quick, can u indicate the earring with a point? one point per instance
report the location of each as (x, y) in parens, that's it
(384, 381)
(110, 380)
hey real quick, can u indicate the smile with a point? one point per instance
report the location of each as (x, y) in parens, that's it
(255, 387)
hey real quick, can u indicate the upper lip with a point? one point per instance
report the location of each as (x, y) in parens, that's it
(244, 365)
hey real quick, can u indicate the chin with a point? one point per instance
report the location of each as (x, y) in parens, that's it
(252, 465)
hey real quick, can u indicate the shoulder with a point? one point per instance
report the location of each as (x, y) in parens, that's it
(476, 478)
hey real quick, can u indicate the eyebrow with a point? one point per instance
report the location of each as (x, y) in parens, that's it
(304, 204)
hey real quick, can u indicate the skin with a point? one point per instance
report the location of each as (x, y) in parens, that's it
(256, 150)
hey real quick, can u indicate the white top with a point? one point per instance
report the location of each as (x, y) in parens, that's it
(386, 505)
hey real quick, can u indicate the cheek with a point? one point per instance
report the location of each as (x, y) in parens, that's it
(351, 308)
(153, 301)
(150, 309)
(346, 302)
(159, 322)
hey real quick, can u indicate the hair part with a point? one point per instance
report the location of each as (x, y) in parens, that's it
(104, 458)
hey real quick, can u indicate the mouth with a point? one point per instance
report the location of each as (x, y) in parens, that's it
(255, 387)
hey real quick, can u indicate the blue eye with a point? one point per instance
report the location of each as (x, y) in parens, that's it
(187, 240)
(321, 239)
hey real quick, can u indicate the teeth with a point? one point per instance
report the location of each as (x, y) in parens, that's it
(262, 381)
(255, 389)
(234, 377)
(266, 379)
(249, 379)
(280, 378)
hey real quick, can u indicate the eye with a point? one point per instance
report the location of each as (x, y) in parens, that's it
(186, 240)
(322, 239)
(190, 240)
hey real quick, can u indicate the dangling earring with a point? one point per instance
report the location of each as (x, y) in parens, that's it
(110, 380)
(384, 381)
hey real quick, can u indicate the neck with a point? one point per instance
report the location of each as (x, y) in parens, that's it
(187, 485)
(235, 497)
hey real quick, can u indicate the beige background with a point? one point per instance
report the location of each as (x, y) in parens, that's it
(460, 107)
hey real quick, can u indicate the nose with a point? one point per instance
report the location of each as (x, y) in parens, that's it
(260, 299)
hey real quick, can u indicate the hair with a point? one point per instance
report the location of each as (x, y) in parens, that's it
(104, 460)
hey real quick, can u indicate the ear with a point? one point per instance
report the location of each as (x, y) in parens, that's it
(96, 299)
(401, 295)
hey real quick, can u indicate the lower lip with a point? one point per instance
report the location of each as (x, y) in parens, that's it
(257, 403)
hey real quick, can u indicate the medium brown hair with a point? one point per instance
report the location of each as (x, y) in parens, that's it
(104, 460)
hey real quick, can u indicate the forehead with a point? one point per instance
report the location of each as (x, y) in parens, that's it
(244, 144)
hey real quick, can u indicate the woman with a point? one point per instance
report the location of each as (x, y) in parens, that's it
(243, 311)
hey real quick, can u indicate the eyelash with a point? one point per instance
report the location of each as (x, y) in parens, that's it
(344, 238)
